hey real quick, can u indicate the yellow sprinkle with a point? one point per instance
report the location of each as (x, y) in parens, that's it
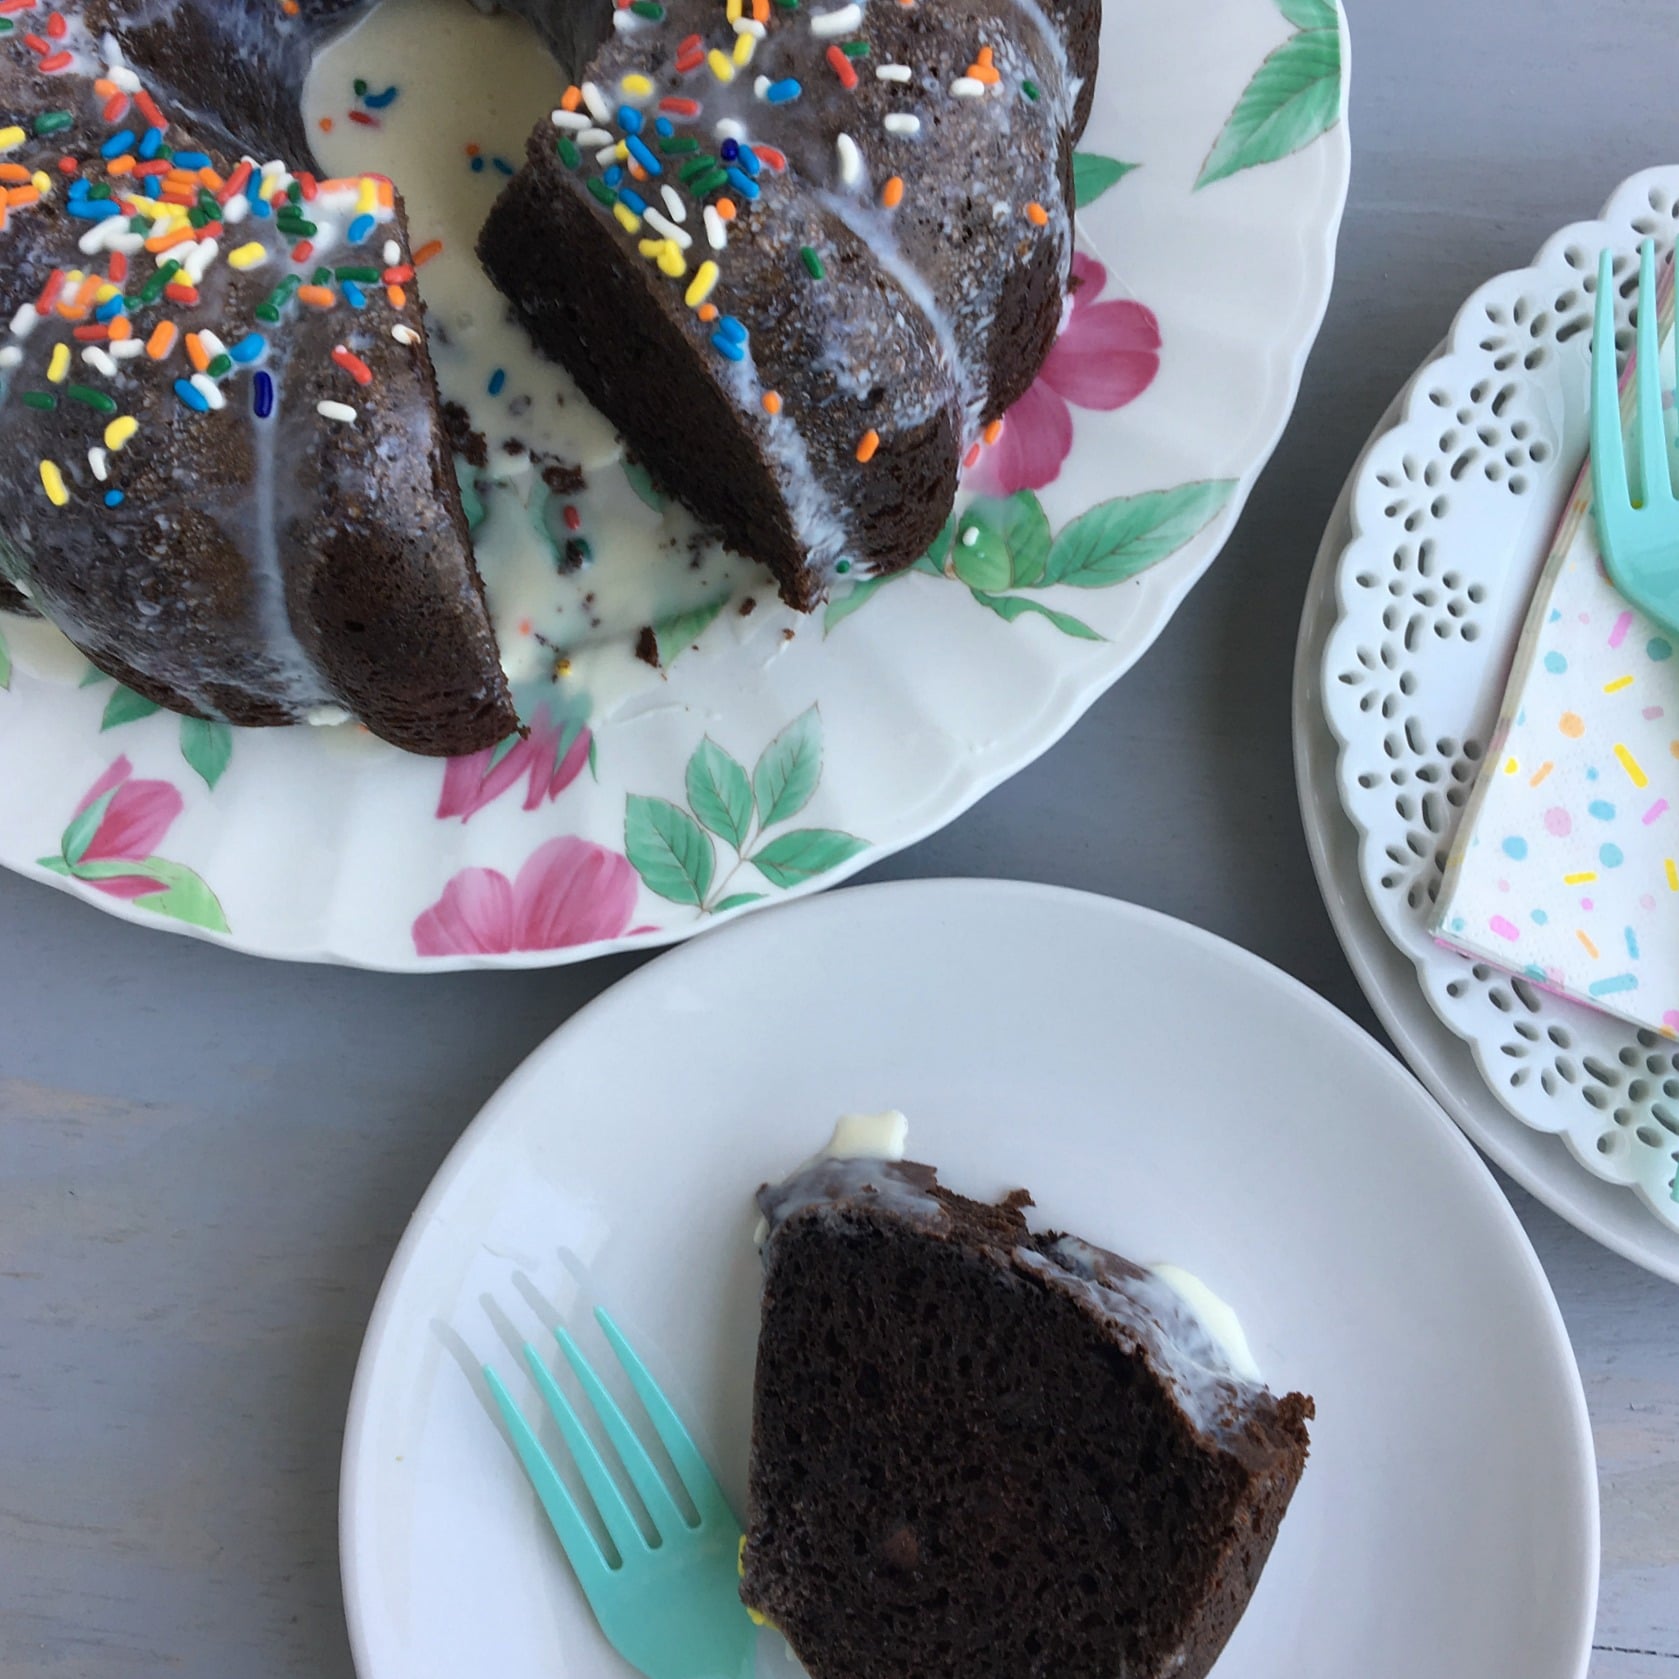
(52, 481)
(627, 218)
(1511, 766)
(58, 368)
(1540, 773)
(1578, 879)
(1672, 875)
(745, 46)
(11, 138)
(705, 277)
(106, 292)
(732, 10)
(637, 87)
(622, 151)
(650, 248)
(672, 263)
(721, 68)
(247, 256)
(41, 181)
(367, 199)
(119, 431)
(1591, 949)
(265, 190)
(1635, 771)
(1617, 685)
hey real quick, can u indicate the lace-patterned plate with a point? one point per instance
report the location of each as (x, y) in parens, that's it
(1452, 512)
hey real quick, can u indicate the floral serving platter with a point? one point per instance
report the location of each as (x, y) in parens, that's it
(771, 754)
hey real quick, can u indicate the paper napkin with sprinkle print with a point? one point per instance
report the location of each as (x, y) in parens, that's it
(1566, 865)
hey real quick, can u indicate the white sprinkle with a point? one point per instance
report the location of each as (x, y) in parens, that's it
(92, 242)
(393, 253)
(25, 321)
(840, 22)
(130, 244)
(893, 72)
(624, 20)
(607, 155)
(127, 349)
(594, 137)
(11, 356)
(901, 122)
(236, 209)
(404, 334)
(96, 462)
(970, 536)
(673, 202)
(750, 26)
(123, 78)
(596, 101)
(203, 254)
(569, 119)
(850, 161)
(726, 128)
(340, 411)
(274, 166)
(209, 390)
(111, 49)
(968, 87)
(99, 361)
(668, 228)
(761, 87)
(716, 235)
(213, 346)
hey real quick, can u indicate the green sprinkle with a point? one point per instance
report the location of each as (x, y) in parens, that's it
(197, 218)
(362, 276)
(207, 203)
(569, 154)
(648, 9)
(39, 399)
(1030, 89)
(53, 122)
(602, 191)
(220, 365)
(855, 49)
(682, 143)
(139, 224)
(842, 567)
(289, 225)
(100, 189)
(295, 192)
(6, 26)
(709, 183)
(360, 86)
(267, 313)
(91, 398)
(697, 167)
(321, 277)
(812, 262)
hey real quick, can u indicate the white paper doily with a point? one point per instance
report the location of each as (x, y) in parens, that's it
(1452, 516)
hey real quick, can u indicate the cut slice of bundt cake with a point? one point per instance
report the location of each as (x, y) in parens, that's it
(979, 1451)
(803, 256)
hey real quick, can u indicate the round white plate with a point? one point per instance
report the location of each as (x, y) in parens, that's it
(1156, 1089)
(639, 820)
(1541, 1164)
(1453, 509)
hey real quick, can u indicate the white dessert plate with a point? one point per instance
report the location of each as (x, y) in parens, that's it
(633, 817)
(1158, 1090)
(1452, 509)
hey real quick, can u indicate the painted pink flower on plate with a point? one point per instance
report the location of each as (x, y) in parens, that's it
(133, 826)
(1107, 355)
(471, 783)
(569, 892)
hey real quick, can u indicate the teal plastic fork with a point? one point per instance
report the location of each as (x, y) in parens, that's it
(1637, 520)
(670, 1604)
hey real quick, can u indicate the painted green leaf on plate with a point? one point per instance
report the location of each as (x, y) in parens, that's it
(1116, 539)
(668, 849)
(1294, 96)
(787, 773)
(1093, 174)
(1310, 14)
(181, 894)
(719, 793)
(126, 706)
(842, 606)
(677, 633)
(208, 747)
(1010, 607)
(735, 900)
(793, 858)
(92, 677)
(79, 835)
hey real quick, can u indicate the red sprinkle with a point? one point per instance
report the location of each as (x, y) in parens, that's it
(353, 365)
(396, 276)
(149, 110)
(770, 157)
(55, 280)
(8, 7)
(235, 183)
(116, 107)
(57, 27)
(58, 61)
(364, 119)
(842, 68)
(176, 292)
(95, 333)
(303, 250)
(117, 268)
(573, 519)
(681, 107)
(68, 165)
(37, 43)
(311, 187)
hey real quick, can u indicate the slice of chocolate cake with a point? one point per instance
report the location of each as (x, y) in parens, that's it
(981, 1451)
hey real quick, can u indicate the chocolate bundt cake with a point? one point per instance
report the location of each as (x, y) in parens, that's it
(979, 1451)
(802, 255)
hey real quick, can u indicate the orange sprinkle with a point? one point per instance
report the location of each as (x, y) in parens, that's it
(637, 173)
(708, 312)
(104, 87)
(196, 353)
(162, 340)
(1036, 214)
(892, 193)
(473, 148)
(10, 172)
(772, 402)
(326, 125)
(317, 297)
(122, 329)
(867, 444)
(993, 431)
(431, 248)
(971, 456)
(760, 11)
(289, 7)
(571, 98)
(23, 195)
(5, 215)
(396, 297)
(210, 180)
(161, 242)
(119, 166)
(726, 208)
(525, 626)
(385, 192)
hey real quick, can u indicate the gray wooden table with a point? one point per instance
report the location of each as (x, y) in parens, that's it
(205, 1160)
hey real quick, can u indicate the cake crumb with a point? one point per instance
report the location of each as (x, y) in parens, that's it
(470, 445)
(748, 607)
(647, 646)
(563, 478)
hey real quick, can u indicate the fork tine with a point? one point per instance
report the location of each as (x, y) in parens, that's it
(620, 1524)
(1652, 429)
(692, 1469)
(642, 1471)
(578, 1543)
(1610, 489)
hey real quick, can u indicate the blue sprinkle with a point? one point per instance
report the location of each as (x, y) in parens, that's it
(1555, 663)
(614, 175)
(478, 166)
(193, 398)
(663, 127)
(629, 119)
(502, 166)
(779, 93)
(111, 308)
(151, 143)
(730, 150)
(638, 150)
(1610, 856)
(743, 183)
(729, 347)
(498, 379)
(353, 294)
(1602, 810)
(114, 498)
(1540, 918)
(260, 207)
(80, 187)
(749, 161)
(93, 209)
(118, 143)
(1608, 987)
(192, 160)
(378, 101)
(1659, 648)
(632, 200)
(1515, 846)
(1632, 944)
(249, 348)
(360, 228)
(731, 328)
(262, 395)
